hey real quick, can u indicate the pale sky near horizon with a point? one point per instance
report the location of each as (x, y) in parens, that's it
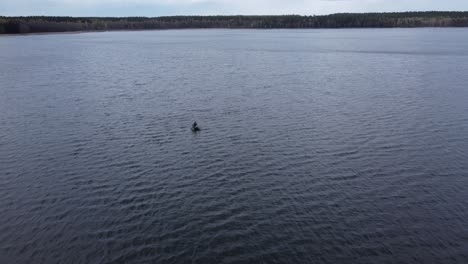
(218, 7)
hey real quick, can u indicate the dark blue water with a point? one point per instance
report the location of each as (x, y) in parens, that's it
(317, 146)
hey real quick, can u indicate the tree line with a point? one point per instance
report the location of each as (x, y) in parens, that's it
(37, 24)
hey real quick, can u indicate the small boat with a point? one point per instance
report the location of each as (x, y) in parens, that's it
(195, 127)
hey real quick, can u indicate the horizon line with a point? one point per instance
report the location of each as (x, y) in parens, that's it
(244, 15)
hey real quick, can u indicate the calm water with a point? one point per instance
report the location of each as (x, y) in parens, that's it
(318, 146)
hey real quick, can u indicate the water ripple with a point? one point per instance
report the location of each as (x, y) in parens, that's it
(311, 150)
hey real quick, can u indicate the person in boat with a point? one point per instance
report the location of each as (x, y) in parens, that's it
(195, 127)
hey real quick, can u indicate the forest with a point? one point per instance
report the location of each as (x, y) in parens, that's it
(42, 24)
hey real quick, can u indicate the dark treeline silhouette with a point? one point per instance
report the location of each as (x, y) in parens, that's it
(36, 24)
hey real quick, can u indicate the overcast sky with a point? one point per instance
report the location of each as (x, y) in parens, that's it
(218, 7)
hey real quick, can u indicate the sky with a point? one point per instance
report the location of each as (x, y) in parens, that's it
(153, 8)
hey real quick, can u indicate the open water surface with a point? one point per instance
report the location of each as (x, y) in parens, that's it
(317, 146)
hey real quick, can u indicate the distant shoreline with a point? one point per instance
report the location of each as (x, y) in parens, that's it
(47, 24)
(47, 33)
(147, 30)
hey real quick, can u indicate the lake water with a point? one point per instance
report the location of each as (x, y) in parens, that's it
(317, 146)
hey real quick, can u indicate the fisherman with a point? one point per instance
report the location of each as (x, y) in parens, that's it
(195, 127)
